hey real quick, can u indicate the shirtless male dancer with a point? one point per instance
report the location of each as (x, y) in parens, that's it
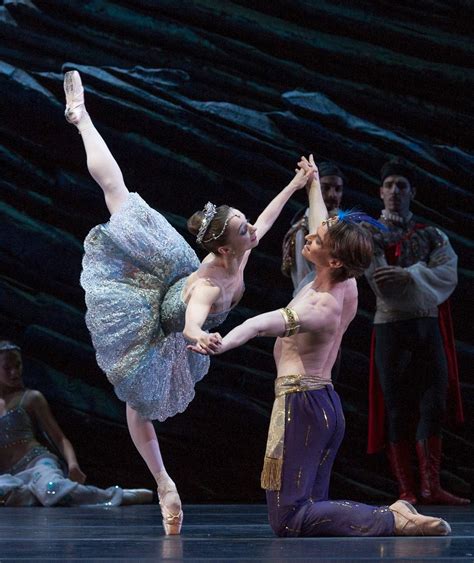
(307, 422)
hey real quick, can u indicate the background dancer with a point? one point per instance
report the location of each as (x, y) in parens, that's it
(30, 474)
(146, 292)
(414, 366)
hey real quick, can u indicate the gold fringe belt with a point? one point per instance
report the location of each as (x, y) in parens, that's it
(273, 463)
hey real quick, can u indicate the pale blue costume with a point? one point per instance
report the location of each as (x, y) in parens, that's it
(134, 271)
(37, 479)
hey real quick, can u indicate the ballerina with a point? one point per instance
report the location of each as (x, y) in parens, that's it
(148, 296)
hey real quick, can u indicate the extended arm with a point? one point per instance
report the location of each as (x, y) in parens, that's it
(311, 315)
(317, 208)
(266, 324)
(273, 209)
(48, 423)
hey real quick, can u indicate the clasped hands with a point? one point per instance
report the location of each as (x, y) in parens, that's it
(305, 173)
(207, 344)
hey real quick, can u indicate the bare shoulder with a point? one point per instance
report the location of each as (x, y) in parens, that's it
(35, 403)
(351, 290)
(35, 398)
(317, 304)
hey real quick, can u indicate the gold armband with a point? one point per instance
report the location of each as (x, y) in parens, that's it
(292, 322)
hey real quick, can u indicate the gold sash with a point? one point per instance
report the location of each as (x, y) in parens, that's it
(273, 463)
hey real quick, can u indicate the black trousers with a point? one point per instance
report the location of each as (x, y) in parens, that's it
(413, 374)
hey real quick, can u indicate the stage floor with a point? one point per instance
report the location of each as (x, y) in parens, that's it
(210, 533)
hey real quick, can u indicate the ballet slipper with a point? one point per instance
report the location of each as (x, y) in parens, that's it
(408, 522)
(75, 106)
(170, 504)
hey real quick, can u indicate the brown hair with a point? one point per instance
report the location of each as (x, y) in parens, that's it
(351, 244)
(217, 228)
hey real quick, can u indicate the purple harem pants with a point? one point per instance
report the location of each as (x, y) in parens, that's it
(314, 428)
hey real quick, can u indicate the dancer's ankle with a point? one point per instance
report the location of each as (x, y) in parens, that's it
(84, 123)
(162, 479)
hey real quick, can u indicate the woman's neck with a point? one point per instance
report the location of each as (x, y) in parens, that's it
(229, 263)
(6, 392)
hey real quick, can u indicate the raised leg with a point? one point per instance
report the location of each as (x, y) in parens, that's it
(100, 162)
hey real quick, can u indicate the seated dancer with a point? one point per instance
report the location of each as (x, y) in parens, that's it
(146, 292)
(30, 475)
(307, 422)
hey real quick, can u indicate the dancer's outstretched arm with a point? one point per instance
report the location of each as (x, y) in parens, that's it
(317, 208)
(311, 315)
(273, 209)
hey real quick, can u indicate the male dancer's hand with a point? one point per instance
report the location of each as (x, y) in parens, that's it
(304, 174)
(206, 344)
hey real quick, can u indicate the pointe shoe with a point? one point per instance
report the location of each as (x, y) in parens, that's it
(75, 106)
(171, 522)
(170, 505)
(137, 496)
(408, 522)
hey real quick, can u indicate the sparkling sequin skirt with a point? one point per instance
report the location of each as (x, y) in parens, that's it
(132, 266)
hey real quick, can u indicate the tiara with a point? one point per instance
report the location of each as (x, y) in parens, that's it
(209, 213)
(6, 346)
(215, 237)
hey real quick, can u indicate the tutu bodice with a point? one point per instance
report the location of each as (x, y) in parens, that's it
(173, 310)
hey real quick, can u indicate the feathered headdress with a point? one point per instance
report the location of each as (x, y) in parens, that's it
(354, 216)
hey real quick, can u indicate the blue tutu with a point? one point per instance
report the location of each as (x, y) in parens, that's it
(134, 271)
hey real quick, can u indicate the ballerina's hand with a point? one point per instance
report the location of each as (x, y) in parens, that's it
(303, 176)
(75, 474)
(207, 344)
(309, 166)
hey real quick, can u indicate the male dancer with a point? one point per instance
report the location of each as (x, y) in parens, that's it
(294, 264)
(307, 423)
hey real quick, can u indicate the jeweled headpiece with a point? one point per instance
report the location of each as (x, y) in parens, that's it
(209, 214)
(7, 346)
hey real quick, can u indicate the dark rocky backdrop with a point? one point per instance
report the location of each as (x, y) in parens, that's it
(216, 100)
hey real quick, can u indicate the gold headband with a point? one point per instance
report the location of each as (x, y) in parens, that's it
(330, 221)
